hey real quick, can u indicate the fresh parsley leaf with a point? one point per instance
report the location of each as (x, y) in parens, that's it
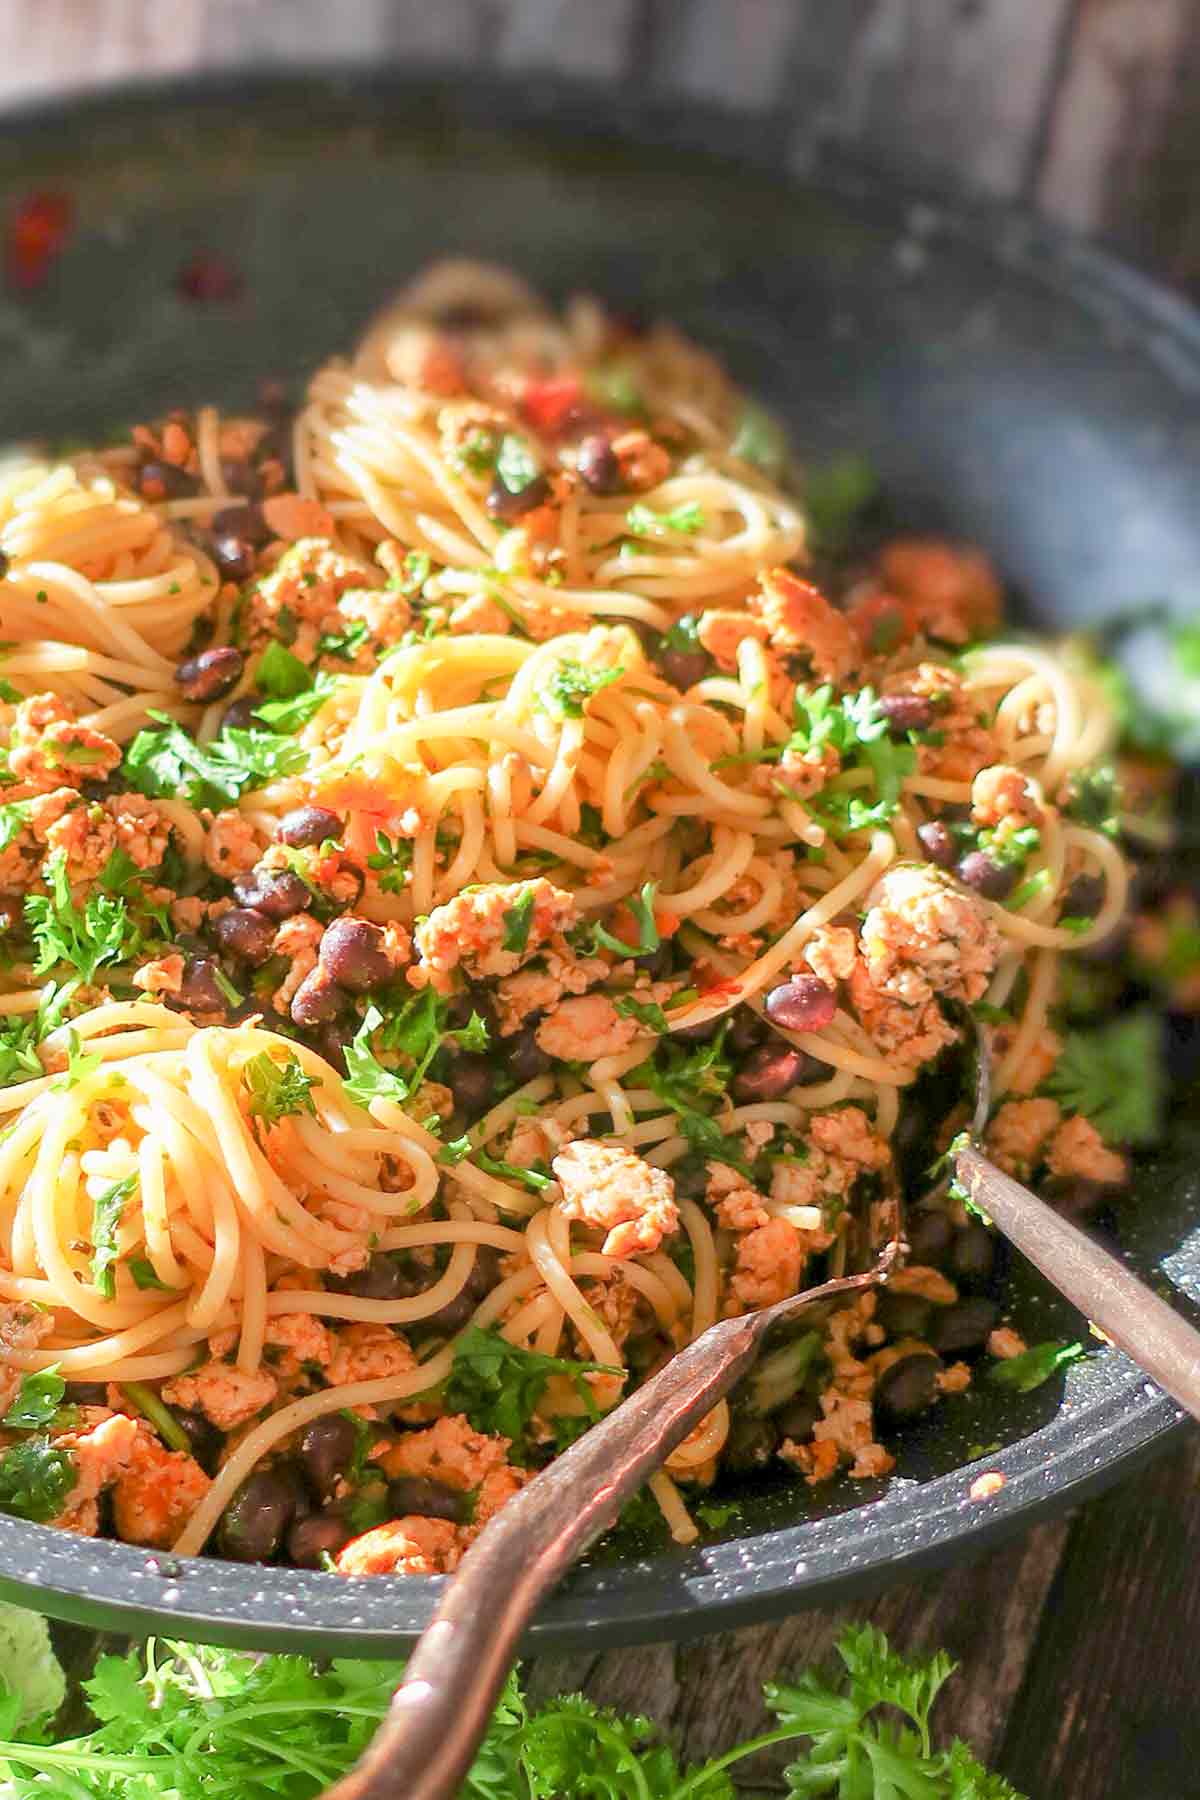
(142, 1271)
(716, 1514)
(417, 1031)
(536, 1180)
(838, 493)
(498, 1386)
(1034, 1366)
(392, 862)
(857, 729)
(473, 1036)
(35, 1479)
(455, 1150)
(39, 1398)
(280, 675)
(517, 920)
(517, 467)
(642, 907)
(107, 1209)
(1114, 1076)
(1095, 799)
(293, 714)
(277, 1089)
(19, 1060)
(102, 932)
(168, 761)
(572, 685)
(366, 1077)
(80, 1062)
(646, 1012)
(682, 521)
(691, 1080)
(615, 385)
(345, 644)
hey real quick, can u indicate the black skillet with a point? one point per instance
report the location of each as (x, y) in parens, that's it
(1006, 382)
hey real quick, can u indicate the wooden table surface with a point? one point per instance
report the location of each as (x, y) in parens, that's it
(1078, 1676)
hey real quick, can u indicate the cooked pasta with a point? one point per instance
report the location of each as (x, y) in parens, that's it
(477, 912)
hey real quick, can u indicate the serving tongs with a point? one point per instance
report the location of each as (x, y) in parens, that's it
(441, 1708)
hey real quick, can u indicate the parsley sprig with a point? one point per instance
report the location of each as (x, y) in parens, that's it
(855, 726)
(1114, 1076)
(168, 760)
(277, 1089)
(572, 685)
(499, 1386)
(190, 1721)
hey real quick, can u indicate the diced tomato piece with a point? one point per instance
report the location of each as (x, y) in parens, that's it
(553, 404)
(37, 232)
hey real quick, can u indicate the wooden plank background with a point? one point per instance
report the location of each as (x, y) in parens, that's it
(1084, 108)
(1077, 1673)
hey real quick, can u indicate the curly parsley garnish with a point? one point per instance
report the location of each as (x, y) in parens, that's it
(1114, 1076)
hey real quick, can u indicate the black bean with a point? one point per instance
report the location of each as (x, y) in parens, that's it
(746, 1031)
(354, 953)
(306, 826)
(234, 557)
(276, 892)
(907, 1386)
(253, 1524)
(241, 478)
(769, 1072)
(317, 1000)
(526, 1058)
(963, 1326)
(684, 668)
(240, 716)
(797, 1418)
(597, 463)
(472, 1081)
(991, 879)
(703, 1033)
(244, 522)
(503, 504)
(657, 964)
(311, 1540)
(902, 1315)
(907, 712)
(245, 933)
(973, 1254)
(380, 1278)
(805, 1003)
(4, 565)
(166, 481)
(930, 1234)
(205, 1442)
(937, 841)
(1084, 898)
(416, 1494)
(200, 991)
(483, 1277)
(751, 1443)
(690, 1175)
(327, 1451)
(86, 1393)
(211, 674)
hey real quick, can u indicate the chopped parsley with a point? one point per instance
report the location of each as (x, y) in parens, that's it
(417, 1032)
(857, 729)
(642, 908)
(38, 1399)
(280, 675)
(517, 920)
(168, 761)
(86, 939)
(35, 1479)
(535, 1179)
(692, 1080)
(344, 644)
(517, 468)
(646, 1012)
(141, 1270)
(293, 713)
(1114, 1076)
(1095, 799)
(277, 1089)
(499, 1387)
(14, 816)
(1034, 1366)
(107, 1209)
(681, 521)
(391, 862)
(572, 685)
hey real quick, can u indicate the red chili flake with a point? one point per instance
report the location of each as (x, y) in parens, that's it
(727, 989)
(208, 277)
(552, 404)
(37, 232)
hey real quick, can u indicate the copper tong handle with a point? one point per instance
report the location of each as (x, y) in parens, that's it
(442, 1707)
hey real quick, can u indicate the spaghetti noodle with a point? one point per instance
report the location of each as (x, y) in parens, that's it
(510, 931)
